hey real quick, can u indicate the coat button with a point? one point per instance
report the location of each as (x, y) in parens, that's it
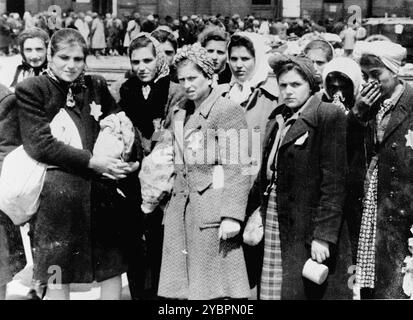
(390, 218)
(402, 212)
(391, 194)
(394, 145)
(392, 169)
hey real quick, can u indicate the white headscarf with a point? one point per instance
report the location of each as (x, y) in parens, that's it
(390, 53)
(260, 73)
(347, 66)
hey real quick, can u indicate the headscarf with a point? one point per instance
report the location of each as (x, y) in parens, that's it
(347, 66)
(162, 67)
(198, 55)
(304, 64)
(73, 87)
(241, 92)
(390, 53)
(25, 70)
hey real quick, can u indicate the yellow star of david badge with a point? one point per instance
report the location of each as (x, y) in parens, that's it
(95, 110)
(409, 138)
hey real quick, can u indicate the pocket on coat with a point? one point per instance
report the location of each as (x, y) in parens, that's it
(210, 208)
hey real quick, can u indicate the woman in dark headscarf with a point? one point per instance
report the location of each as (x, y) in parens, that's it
(33, 44)
(300, 188)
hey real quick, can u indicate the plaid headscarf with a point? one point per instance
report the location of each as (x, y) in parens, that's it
(198, 55)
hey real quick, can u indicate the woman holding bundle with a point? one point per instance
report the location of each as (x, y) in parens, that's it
(78, 232)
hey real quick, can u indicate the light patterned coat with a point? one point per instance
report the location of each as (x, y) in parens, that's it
(196, 264)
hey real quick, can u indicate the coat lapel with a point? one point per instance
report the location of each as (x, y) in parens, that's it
(179, 115)
(308, 118)
(399, 114)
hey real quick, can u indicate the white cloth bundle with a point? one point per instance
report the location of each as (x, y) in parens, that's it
(157, 174)
(116, 137)
(22, 178)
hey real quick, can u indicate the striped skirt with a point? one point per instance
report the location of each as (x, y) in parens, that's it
(271, 276)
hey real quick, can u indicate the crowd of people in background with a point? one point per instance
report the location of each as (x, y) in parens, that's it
(109, 34)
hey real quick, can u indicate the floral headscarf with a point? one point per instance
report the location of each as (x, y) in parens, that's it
(198, 55)
(162, 67)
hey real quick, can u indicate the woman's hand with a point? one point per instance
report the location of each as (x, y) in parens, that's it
(229, 228)
(109, 167)
(367, 97)
(320, 250)
(133, 166)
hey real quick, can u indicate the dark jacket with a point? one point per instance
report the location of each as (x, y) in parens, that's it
(395, 190)
(9, 123)
(83, 221)
(12, 257)
(310, 193)
(163, 95)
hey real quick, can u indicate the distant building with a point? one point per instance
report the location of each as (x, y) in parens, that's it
(316, 9)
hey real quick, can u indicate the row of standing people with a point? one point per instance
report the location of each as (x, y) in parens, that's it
(308, 192)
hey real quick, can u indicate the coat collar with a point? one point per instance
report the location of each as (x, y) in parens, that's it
(206, 106)
(308, 118)
(400, 112)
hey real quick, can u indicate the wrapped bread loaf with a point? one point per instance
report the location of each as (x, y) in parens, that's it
(116, 137)
(157, 173)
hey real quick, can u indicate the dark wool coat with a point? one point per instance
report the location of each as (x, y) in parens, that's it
(196, 264)
(82, 222)
(12, 258)
(395, 190)
(310, 194)
(142, 112)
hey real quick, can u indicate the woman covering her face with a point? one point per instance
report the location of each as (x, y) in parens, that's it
(300, 189)
(252, 88)
(202, 253)
(82, 223)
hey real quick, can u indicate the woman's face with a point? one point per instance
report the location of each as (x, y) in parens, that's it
(169, 51)
(143, 63)
(68, 63)
(242, 63)
(34, 52)
(387, 79)
(294, 90)
(217, 51)
(196, 85)
(319, 59)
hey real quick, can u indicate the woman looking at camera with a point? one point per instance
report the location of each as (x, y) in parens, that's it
(202, 254)
(76, 233)
(300, 189)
